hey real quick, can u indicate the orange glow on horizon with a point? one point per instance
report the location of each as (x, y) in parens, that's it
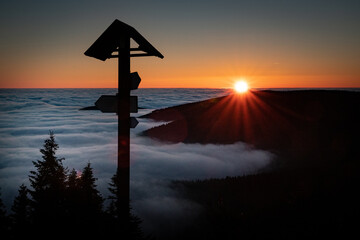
(63, 70)
(110, 81)
(92, 74)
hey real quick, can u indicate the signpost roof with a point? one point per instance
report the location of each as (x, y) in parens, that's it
(109, 41)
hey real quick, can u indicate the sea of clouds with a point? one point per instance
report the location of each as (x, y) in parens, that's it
(27, 116)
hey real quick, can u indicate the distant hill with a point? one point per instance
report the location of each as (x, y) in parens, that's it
(295, 124)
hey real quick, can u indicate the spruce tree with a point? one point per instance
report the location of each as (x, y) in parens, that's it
(113, 208)
(92, 200)
(4, 220)
(21, 213)
(48, 184)
(129, 227)
(85, 205)
(73, 181)
(73, 201)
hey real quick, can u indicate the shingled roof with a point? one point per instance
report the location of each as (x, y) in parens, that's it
(110, 40)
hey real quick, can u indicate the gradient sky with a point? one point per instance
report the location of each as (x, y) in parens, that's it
(279, 43)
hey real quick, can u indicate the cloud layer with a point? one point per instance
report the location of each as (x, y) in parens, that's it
(91, 136)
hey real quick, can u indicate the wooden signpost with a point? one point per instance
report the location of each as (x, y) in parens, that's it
(116, 39)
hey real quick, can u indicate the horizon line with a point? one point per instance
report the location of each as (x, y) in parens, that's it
(262, 88)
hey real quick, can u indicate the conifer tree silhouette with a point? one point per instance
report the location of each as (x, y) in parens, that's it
(48, 184)
(73, 200)
(85, 205)
(114, 207)
(91, 207)
(63, 204)
(73, 181)
(4, 220)
(92, 198)
(129, 227)
(73, 192)
(21, 213)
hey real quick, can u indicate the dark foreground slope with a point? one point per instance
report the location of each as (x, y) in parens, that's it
(313, 194)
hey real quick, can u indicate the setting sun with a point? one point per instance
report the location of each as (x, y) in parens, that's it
(241, 86)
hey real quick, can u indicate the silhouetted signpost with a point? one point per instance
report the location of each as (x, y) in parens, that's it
(116, 39)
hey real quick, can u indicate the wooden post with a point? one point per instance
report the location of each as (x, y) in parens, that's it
(124, 126)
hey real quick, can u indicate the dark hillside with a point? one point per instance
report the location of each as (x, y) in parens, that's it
(312, 194)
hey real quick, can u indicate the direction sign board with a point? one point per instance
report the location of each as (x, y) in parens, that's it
(108, 104)
(133, 122)
(135, 80)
